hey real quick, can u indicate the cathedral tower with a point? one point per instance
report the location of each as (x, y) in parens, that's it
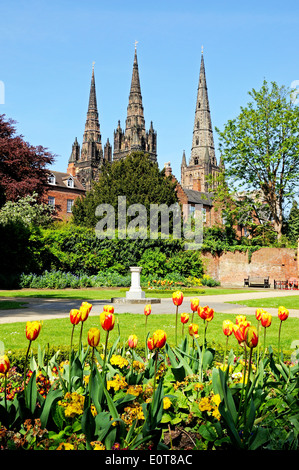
(135, 137)
(87, 163)
(202, 162)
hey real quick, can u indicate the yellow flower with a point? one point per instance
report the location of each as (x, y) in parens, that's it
(118, 360)
(116, 383)
(216, 399)
(65, 446)
(98, 445)
(135, 390)
(204, 404)
(166, 403)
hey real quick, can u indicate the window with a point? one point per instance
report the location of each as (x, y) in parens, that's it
(51, 201)
(51, 179)
(70, 203)
(70, 183)
(192, 210)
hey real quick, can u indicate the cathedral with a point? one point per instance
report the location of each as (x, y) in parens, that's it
(198, 176)
(85, 164)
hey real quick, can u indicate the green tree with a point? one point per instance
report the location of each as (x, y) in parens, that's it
(260, 149)
(293, 223)
(136, 178)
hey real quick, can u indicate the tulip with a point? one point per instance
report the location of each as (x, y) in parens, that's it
(4, 368)
(74, 316)
(159, 339)
(4, 364)
(150, 344)
(147, 309)
(108, 308)
(32, 330)
(206, 313)
(184, 320)
(283, 314)
(266, 319)
(193, 330)
(251, 337)
(240, 318)
(132, 341)
(177, 298)
(107, 320)
(227, 327)
(194, 305)
(93, 337)
(239, 331)
(258, 313)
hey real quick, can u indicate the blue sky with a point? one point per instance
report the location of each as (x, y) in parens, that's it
(47, 50)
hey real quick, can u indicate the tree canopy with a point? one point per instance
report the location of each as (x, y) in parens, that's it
(136, 177)
(22, 166)
(260, 150)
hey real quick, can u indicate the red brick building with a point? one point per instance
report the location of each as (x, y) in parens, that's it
(63, 189)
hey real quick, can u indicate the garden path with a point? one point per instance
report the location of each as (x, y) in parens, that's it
(44, 309)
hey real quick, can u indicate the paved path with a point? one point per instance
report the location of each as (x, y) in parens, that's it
(44, 309)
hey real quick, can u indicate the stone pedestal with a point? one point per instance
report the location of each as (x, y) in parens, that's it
(135, 291)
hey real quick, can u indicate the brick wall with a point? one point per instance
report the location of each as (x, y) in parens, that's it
(61, 197)
(230, 269)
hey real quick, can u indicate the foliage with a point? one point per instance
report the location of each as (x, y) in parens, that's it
(22, 166)
(292, 230)
(121, 398)
(260, 149)
(26, 210)
(136, 178)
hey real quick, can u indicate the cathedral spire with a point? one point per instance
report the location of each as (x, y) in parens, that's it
(92, 126)
(202, 130)
(135, 116)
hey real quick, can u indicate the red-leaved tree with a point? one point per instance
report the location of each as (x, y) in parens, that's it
(23, 167)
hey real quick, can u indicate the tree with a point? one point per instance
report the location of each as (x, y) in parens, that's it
(28, 211)
(136, 178)
(22, 166)
(260, 149)
(293, 223)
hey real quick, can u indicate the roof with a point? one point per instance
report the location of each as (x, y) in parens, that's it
(198, 197)
(62, 178)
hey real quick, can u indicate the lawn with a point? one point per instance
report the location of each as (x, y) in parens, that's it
(107, 293)
(11, 304)
(58, 332)
(290, 302)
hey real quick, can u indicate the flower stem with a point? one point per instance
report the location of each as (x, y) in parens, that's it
(278, 358)
(105, 352)
(25, 367)
(176, 325)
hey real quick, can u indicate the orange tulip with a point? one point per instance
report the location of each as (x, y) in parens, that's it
(32, 330)
(108, 308)
(107, 321)
(251, 337)
(93, 337)
(74, 316)
(150, 344)
(147, 309)
(266, 319)
(159, 339)
(184, 317)
(206, 313)
(227, 327)
(177, 298)
(132, 341)
(258, 313)
(193, 330)
(194, 304)
(283, 313)
(4, 364)
(240, 330)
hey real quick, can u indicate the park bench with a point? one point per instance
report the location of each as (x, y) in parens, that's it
(257, 281)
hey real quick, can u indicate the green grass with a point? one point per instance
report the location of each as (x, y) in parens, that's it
(290, 302)
(107, 293)
(57, 332)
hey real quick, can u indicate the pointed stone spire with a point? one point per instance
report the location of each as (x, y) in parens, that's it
(135, 116)
(202, 130)
(92, 125)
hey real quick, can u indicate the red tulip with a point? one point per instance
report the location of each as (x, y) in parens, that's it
(147, 309)
(266, 319)
(107, 321)
(240, 319)
(177, 298)
(150, 344)
(184, 317)
(108, 308)
(194, 304)
(193, 330)
(132, 341)
(32, 330)
(4, 364)
(206, 313)
(251, 337)
(74, 316)
(240, 331)
(93, 337)
(227, 327)
(258, 313)
(283, 313)
(159, 338)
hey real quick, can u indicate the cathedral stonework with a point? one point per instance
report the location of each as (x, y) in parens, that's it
(202, 164)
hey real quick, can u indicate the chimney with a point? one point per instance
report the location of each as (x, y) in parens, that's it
(196, 184)
(168, 169)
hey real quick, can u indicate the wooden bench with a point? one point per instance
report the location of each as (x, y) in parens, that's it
(257, 281)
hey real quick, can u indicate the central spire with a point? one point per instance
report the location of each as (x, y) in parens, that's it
(135, 116)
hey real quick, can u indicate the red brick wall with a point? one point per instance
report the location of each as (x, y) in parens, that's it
(61, 196)
(231, 268)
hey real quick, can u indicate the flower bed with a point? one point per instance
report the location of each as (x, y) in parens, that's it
(166, 397)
